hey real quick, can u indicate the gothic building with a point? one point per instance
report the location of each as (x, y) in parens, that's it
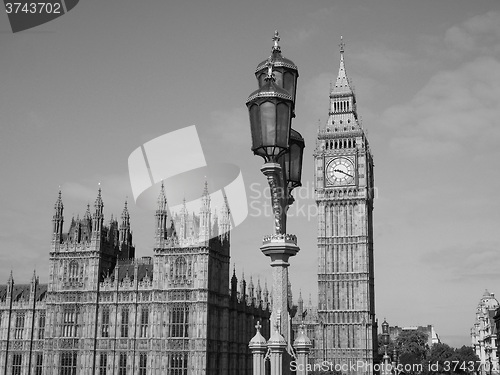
(105, 312)
(344, 325)
(484, 333)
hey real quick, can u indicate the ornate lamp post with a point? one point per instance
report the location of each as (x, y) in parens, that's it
(488, 350)
(271, 109)
(385, 341)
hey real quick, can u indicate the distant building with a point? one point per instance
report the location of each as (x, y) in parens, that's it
(105, 312)
(433, 337)
(484, 333)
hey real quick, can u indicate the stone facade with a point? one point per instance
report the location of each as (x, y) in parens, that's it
(105, 312)
(484, 334)
(345, 329)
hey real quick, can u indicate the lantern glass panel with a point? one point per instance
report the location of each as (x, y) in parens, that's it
(278, 77)
(294, 169)
(268, 123)
(289, 83)
(283, 125)
(261, 78)
(256, 129)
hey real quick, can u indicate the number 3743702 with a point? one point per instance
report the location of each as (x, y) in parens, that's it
(33, 8)
(469, 366)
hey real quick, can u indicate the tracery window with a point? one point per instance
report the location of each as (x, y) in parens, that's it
(17, 361)
(18, 333)
(105, 322)
(143, 359)
(39, 364)
(179, 321)
(124, 325)
(122, 365)
(103, 363)
(178, 364)
(41, 326)
(68, 363)
(144, 322)
(180, 268)
(73, 272)
(70, 322)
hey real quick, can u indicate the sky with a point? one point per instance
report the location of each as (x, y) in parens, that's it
(79, 94)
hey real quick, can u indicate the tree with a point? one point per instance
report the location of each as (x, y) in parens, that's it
(444, 359)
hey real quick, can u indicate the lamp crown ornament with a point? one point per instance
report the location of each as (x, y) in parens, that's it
(276, 39)
(270, 75)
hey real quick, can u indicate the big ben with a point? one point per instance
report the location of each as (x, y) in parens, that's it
(347, 331)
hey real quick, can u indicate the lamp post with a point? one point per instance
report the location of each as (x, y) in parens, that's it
(385, 341)
(271, 109)
(488, 350)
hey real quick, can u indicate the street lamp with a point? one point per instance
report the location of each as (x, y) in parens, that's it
(271, 108)
(385, 341)
(488, 350)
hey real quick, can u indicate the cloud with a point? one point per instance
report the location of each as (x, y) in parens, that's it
(381, 59)
(456, 109)
(313, 25)
(467, 262)
(480, 33)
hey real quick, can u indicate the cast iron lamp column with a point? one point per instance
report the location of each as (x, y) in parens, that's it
(385, 340)
(271, 110)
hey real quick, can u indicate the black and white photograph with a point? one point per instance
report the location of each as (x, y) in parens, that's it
(250, 188)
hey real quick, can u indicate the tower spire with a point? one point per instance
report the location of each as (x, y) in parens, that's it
(98, 218)
(58, 219)
(205, 216)
(342, 84)
(161, 217)
(125, 236)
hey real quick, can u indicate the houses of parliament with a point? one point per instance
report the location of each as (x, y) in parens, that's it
(105, 312)
(180, 312)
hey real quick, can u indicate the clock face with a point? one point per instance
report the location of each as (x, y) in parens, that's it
(340, 171)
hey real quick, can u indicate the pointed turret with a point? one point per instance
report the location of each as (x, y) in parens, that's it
(125, 225)
(58, 220)
(342, 84)
(33, 285)
(266, 294)
(98, 217)
(205, 222)
(225, 220)
(243, 286)
(10, 284)
(300, 303)
(343, 115)
(258, 292)
(234, 284)
(251, 289)
(87, 216)
(183, 221)
(162, 214)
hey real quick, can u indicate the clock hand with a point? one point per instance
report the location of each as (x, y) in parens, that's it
(338, 170)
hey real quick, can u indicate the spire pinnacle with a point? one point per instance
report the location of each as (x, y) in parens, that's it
(276, 39)
(162, 199)
(125, 213)
(205, 188)
(342, 85)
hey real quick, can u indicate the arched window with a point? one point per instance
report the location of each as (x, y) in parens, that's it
(180, 268)
(73, 272)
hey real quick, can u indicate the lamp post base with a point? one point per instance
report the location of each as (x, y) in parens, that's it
(280, 248)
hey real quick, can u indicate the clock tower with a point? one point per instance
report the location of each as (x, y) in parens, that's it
(347, 331)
